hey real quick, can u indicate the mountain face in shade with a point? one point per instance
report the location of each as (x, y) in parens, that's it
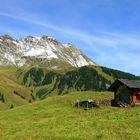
(41, 51)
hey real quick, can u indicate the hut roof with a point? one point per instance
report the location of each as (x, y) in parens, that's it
(129, 83)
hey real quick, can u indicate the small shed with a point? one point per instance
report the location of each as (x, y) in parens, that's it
(126, 91)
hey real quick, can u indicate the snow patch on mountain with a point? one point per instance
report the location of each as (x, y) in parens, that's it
(21, 51)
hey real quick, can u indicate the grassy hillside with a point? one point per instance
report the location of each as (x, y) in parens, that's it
(11, 92)
(56, 119)
(117, 74)
(24, 85)
(93, 78)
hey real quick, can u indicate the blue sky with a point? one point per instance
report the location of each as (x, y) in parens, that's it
(108, 31)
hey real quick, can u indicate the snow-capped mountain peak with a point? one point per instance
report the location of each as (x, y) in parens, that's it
(44, 51)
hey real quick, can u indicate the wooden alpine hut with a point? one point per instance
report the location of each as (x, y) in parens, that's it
(126, 92)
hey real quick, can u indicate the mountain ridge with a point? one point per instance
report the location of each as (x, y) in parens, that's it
(42, 51)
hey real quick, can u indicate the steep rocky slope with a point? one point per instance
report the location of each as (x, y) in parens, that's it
(42, 51)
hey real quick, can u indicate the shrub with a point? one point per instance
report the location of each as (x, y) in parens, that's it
(11, 106)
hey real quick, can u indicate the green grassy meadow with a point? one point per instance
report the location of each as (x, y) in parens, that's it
(9, 85)
(55, 118)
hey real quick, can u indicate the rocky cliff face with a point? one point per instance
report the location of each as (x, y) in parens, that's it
(42, 51)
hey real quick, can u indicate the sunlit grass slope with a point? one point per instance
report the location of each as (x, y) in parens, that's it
(56, 119)
(11, 90)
